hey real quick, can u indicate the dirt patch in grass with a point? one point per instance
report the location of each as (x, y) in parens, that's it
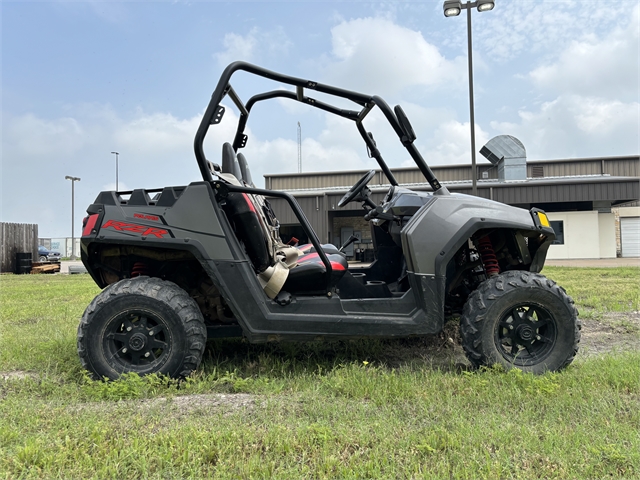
(442, 350)
(205, 403)
(613, 332)
(17, 375)
(176, 407)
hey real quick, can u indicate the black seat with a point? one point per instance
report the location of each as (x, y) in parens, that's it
(245, 171)
(309, 277)
(329, 248)
(247, 224)
(230, 162)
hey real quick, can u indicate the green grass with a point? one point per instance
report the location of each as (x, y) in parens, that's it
(599, 290)
(365, 409)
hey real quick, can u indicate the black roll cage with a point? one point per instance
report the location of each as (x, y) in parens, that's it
(213, 115)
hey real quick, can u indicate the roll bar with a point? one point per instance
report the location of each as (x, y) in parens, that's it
(214, 112)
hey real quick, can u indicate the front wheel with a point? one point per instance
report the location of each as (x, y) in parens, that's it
(142, 325)
(523, 320)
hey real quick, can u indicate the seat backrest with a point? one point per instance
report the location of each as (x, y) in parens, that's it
(247, 213)
(245, 171)
(230, 162)
(256, 225)
(249, 229)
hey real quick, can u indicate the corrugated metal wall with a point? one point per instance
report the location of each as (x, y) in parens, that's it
(316, 209)
(562, 192)
(614, 166)
(626, 168)
(346, 179)
(618, 166)
(313, 207)
(313, 180)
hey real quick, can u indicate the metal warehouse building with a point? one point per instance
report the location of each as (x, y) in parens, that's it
(591, 202)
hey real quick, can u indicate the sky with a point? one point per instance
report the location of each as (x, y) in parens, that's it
(81, 79)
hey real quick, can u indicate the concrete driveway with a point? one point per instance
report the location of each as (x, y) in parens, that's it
(602, 262)
(65, 264)
(599, 262)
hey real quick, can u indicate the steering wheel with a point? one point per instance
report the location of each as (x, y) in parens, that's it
(357, 188)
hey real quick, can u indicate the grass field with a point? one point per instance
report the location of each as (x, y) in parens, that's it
(365, 409)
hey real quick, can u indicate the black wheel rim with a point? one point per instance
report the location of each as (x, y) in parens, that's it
(526, 334)
(137, 341)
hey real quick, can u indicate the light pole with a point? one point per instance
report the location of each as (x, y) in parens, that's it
(452, 8)
(116, 154)
(73, 240)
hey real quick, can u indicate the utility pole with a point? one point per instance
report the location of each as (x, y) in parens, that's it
(452, 8)
(73, 240)
(116, 154)
(299, 148)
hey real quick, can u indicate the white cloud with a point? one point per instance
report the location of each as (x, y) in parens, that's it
(602, 118)
(36, 136)
(318, 154)
(451, 144)
(258, 43)
(577, 126)
(377, 56)
(111, 12)
(592, 66)
(237, 47)
(155, 133)
(518, 27)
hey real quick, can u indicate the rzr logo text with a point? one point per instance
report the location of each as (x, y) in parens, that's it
(132, 227)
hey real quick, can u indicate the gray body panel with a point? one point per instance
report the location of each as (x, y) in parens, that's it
(438, 229)
(190, 220)
(196, 219)
(263, 319)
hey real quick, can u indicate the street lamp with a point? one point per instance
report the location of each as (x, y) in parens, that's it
(452, 8)
(73, 240)
(116, 154)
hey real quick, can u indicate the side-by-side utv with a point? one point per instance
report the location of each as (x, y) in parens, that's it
(182, 264)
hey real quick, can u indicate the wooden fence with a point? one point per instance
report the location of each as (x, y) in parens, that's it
(17, 238)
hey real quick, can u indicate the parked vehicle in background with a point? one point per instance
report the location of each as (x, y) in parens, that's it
(46, 255)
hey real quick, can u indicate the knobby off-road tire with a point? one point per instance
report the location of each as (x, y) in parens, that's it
(143, 325)
(522, 320)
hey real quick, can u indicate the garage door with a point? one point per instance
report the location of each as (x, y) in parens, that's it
(630, 236)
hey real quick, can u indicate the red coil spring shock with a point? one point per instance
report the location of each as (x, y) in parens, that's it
(489, 259)
(139, 269)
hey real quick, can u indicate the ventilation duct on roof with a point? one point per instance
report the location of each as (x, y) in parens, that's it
(509, 155)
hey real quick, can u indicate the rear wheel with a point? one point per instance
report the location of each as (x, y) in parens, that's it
(142, 325)
(523, 320)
